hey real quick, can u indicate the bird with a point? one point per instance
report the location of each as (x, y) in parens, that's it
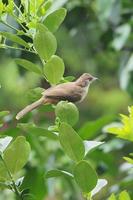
(73, 92)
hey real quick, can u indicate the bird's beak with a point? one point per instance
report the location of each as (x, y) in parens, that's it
(95, 78)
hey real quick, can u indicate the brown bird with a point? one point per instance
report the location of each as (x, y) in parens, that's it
(72, 91)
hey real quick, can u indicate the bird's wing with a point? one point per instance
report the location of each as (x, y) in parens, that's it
(66, 91)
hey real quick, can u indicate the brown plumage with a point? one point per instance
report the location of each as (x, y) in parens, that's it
(72, 91)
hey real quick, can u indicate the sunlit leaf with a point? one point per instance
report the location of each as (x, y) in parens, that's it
(71, 142)
(126, 130)
(130, 160)
(112, 197)
(124, 196)
(54, 69)
(85, 176)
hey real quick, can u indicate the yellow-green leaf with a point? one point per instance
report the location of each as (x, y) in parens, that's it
(124, 131)
(124, 196)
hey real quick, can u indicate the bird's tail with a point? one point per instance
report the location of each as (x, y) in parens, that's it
(30, 108)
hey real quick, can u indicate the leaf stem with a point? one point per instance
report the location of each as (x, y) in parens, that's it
(10, 26)
(16, 48)
(16, 190)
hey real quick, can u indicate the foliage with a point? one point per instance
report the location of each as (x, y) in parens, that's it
(64, 162)
(126, 130)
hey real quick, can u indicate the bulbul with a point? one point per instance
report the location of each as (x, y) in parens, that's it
(72, 91)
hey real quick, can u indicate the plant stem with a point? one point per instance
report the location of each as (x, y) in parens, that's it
(16, 48)
(16, 190)
(10, 26)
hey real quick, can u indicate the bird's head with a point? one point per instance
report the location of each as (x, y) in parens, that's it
(85, 80)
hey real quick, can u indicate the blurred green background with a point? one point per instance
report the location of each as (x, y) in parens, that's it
(96, 37)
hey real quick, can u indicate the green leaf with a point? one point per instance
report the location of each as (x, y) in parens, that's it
(44, 42)
(15, 38)
(4, 113)
(71, 142)
(53, 20)
(85, 176)
(130, 160)
(112, 197)
(16, 154)
(38, 131)
(35, 94)
(29, 65)
(124, 131)
(67, 112)
(57, 173)
(3, 172)
(54, 69)
(90, 129)
(124, 196)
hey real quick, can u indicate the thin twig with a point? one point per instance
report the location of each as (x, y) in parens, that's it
(16, 48)
(10, 26)
(16, 190)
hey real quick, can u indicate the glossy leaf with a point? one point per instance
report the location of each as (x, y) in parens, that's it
(29, 65)
(54, 69)
(90, 129)
(85, 176)
(67, 112)
(53, 20)
(16, 154)
(44, 42)
(71, 142)
(15, 38)
(57, 173)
